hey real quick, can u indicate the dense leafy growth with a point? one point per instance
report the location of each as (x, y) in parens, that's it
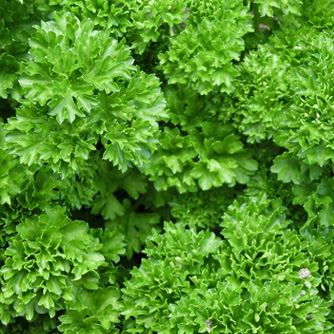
(166, 166)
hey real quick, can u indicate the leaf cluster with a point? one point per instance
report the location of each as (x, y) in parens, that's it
(166, 166)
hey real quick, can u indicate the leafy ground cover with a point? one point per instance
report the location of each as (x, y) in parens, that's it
(166, 166)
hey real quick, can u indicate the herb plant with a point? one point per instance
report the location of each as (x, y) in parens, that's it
(166, 166)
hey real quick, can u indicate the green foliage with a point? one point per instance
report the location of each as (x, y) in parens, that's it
(313, 13)
(154, 21)
(22, 326)
(17, 18)
(166, 166)
(94, 312)
(41, 263)
(112, 16)
(270, 7)
(201, 54)
(98, 76)
(202, 209)
(253, 274)
(211, 156)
